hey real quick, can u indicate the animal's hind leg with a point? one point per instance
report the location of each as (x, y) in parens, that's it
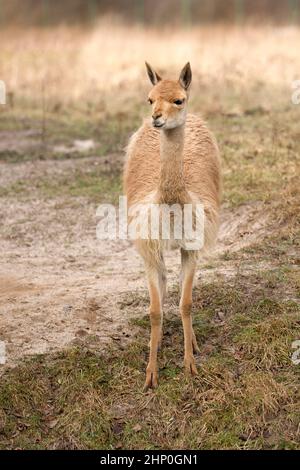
(163, 281)
(188, 263)
(163, 292)
(184, 261)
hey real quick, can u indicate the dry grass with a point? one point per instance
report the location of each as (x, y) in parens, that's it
(69, 65)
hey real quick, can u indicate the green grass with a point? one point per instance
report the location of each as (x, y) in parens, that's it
(94, 184)
(63, 126)
(259, 159)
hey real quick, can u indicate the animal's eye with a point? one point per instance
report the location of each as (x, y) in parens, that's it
(150, 101)
(178, 102)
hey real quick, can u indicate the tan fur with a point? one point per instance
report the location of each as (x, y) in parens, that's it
(176, 165)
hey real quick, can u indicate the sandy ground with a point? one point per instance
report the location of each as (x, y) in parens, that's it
(59, 285)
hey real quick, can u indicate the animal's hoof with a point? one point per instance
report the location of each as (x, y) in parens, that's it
(151, 380)
(190, 366)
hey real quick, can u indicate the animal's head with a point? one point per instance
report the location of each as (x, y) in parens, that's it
(168, 98)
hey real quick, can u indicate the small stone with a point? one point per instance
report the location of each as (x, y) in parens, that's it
(221, 315)
(81, 333)
(137, 428)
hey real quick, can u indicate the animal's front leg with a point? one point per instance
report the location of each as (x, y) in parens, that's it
(156, 317)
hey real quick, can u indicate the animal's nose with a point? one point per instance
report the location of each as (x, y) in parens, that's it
(156, 116)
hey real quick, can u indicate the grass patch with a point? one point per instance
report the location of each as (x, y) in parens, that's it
(259, 160)
(95, 185)
(245, 397)
(260, 151)
(53, 129)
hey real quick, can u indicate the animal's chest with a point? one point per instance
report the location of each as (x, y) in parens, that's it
(176, 225)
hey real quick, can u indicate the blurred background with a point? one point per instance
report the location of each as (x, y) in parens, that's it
(151, 12)
(77, 66)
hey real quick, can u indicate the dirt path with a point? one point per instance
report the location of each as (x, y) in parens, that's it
(59, 285)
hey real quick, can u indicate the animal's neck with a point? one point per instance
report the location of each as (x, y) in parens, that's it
(171, 181)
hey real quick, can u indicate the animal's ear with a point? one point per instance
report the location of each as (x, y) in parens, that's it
(186, 76)
(153, 76)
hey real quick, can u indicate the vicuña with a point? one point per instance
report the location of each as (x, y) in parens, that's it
(172, 159)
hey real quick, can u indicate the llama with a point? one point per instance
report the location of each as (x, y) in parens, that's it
(172, 159)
